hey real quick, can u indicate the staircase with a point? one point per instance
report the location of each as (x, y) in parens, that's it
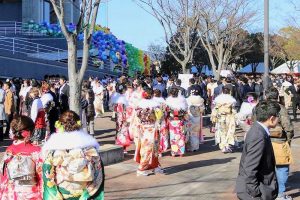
(20, 49)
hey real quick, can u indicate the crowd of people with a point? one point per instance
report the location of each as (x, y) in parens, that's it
(157, 114)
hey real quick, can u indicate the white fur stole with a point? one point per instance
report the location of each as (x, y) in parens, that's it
(179, 103)
(70, 140)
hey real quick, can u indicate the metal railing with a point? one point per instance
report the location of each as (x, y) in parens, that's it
(18, 28)
(35, 50)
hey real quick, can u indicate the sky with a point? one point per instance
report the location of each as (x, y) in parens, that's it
(128, 22)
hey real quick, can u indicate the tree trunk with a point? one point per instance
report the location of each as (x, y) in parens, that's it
(74, 83)
(75, 96)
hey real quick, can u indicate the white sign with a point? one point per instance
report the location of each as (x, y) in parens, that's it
(185, 78)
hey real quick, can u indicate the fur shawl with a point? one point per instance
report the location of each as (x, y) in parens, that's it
(148, 103)
(160, 100)
(70, 140)
(119, 99)
(179, 103)
(195, 101)
(225, 99)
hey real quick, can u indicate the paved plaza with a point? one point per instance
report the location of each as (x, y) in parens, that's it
(206, 174)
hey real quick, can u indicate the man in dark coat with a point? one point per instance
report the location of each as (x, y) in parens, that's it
(194, 88)
(64, 94)
(293, 91)
(257, 177)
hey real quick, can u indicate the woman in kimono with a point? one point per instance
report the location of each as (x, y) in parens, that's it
(130, 107)
(120, 104)
(38, 116)
(224, 118)
(135, 98)
(163, 129)
(177, 114)
(99, 95)
(23, 94)
(194, 125)
(20, 172)
(146, 154)
(244, 117)
(72, 167)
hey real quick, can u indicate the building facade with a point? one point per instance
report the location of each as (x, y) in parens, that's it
(37, 10)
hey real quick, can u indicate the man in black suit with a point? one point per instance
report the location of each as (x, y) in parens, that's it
(194, 88)
(257, 177)
(64, 94)
(293, 91)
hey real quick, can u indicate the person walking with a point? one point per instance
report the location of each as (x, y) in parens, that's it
(177, 108)
(257, 178)
(2, 110)
(281, 137)
(64, 93)
(147, 150)
(223, 116)
(8, 106)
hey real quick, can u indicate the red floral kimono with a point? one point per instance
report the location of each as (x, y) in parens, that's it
(146, 153)
(14, 186)
(177, 111)
(122, 126)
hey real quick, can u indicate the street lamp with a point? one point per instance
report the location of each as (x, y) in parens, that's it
(266, 44)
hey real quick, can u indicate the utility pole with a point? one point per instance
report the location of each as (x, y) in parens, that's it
(266, 44)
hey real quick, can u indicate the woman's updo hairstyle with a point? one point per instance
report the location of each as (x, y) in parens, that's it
(70, 121)
(148, 93)
(174, 92)
(19, 124)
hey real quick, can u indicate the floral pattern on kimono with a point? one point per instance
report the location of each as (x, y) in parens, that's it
(122, 126)
(75, 174)
(194, 127)
(10, 189)
(146, 153)
(224, 117)
(177, 131)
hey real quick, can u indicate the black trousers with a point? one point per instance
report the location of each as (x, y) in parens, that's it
(294, 105)
(1, 130)
(9, 118)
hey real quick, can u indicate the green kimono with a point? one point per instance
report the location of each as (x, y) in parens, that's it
(76, 174)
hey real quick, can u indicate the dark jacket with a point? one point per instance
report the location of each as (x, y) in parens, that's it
(257, 177)
(195, 90)
(64, 94)
(180, 89)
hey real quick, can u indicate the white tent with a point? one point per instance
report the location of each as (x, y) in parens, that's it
(284, 68)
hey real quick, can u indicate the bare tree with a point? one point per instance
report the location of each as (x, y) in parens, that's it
(85, 24)
(221, 29)
(179, 20)
(157, 51)
(277, 52)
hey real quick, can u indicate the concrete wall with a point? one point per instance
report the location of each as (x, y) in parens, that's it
(11, 12)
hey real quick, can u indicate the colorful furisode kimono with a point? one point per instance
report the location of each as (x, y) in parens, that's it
(163, 129)
(122, 126)
(134, 124)
(130, 111)
(146, 153)
(194, 124)
(177, 110)
(72, 167)
(38, 115)
(21, 173)
(224, 117)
